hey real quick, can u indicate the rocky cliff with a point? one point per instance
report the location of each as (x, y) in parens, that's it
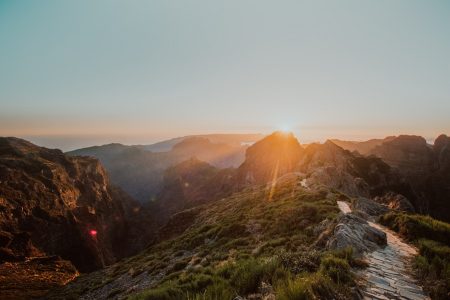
(52, 204)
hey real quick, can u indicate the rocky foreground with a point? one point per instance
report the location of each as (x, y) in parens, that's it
(389, 274)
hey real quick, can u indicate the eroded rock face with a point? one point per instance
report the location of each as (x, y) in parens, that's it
(355, 232)
(54, 204)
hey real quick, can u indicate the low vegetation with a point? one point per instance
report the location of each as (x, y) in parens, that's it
(433, 240)
(242, 245)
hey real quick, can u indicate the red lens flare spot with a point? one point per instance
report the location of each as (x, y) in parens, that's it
(93, 233)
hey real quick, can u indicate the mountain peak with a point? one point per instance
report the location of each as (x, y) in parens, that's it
(273, 156)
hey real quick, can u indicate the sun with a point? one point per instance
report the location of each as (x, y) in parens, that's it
(285, 128)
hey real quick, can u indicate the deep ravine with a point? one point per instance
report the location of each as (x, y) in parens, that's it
(389, 274)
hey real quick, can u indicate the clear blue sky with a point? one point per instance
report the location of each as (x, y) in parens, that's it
(80, 72)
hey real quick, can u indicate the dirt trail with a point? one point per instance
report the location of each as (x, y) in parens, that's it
(389, 275)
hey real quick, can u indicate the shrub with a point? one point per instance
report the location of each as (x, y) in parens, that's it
(247, 275)
(336, 268)
(313, 286)
(432, 249)
(294, 290)
(301, 261)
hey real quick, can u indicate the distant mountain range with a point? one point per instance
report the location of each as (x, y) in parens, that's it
(139, 170)
(229, 139)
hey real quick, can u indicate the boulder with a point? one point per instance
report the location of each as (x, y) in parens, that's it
(369, 207)
(356, 233)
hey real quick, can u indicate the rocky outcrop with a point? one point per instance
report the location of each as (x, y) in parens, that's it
(270, 158)
(395, 201)
(351, 173)
(54, 204)
(355, 232)
(369, 207)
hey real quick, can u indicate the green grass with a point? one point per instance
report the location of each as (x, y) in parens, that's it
(416, 227)
(308, 287)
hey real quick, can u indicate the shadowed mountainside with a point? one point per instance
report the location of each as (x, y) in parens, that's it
(426, 167)
(192, 183)
(52, 204)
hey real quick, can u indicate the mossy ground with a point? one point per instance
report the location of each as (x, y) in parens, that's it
(235, 246)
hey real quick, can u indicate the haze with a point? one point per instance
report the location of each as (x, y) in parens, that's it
(89, 72)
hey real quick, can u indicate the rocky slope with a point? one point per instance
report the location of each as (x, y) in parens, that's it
(52, 204)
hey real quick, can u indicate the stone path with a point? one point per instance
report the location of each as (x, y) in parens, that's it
(389, 274)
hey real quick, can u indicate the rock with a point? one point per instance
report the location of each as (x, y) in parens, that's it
(53, 204)
(369, 207)
(353, 231)
(395, 202)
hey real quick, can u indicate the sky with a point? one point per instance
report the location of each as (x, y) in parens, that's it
(79, 73)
